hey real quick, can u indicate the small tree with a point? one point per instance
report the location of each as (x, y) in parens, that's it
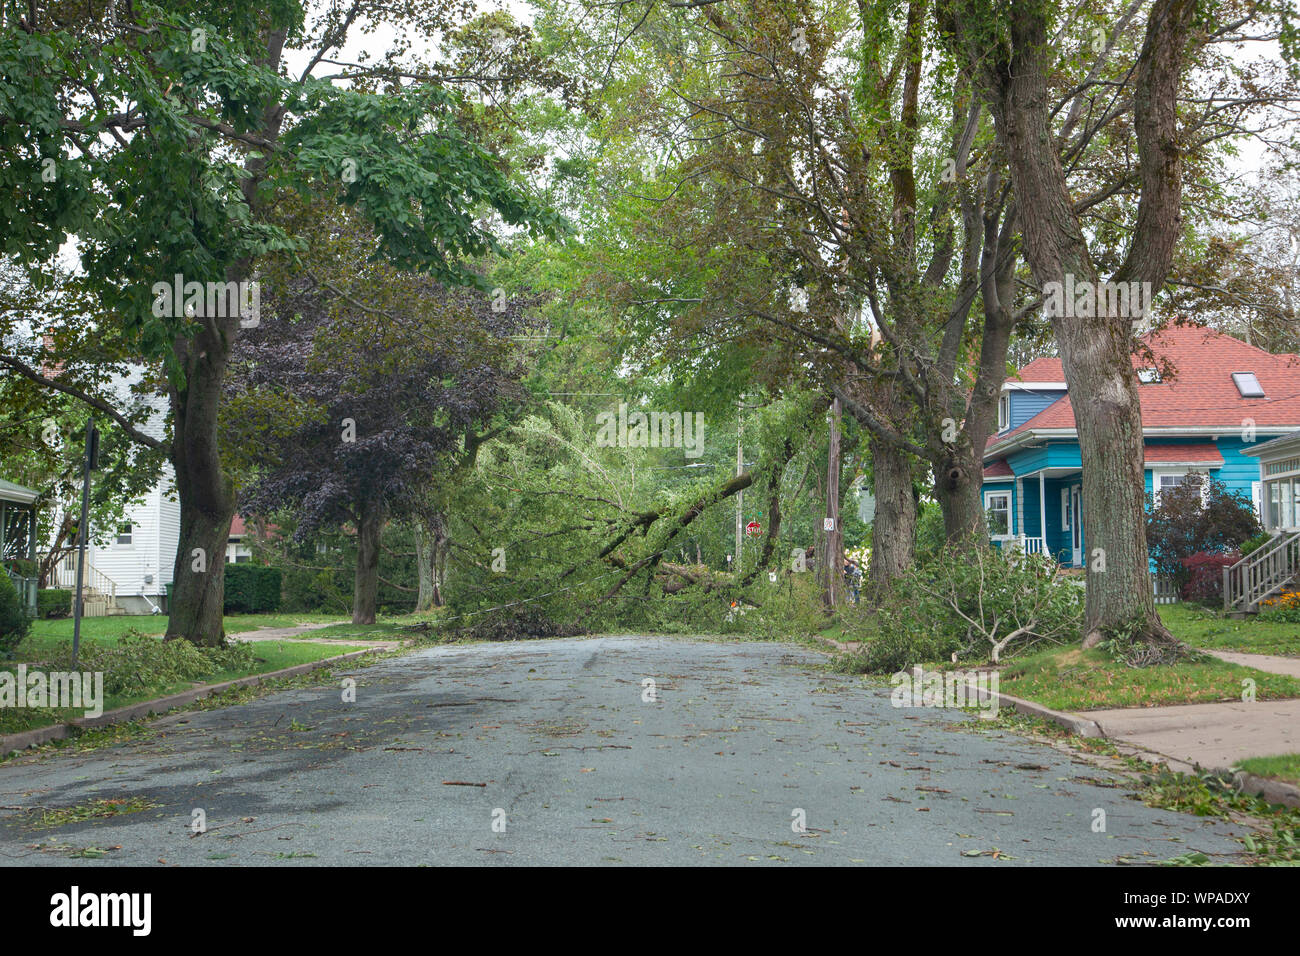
(1199, 516)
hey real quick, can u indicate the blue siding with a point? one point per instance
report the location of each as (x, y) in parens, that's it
(1025, 405)
(1060, 454)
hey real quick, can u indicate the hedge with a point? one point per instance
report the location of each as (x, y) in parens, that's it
(252, 589)
(53, 602)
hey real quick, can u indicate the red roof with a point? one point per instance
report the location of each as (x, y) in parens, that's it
(1196, 391)
(998, 469)
(1203, 454)
(237, 526)
(1042, 370)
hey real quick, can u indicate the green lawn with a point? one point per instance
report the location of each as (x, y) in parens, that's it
(47, 636)
(45, 632)
(1202, 627)
(1285, 767)
(1069, 678)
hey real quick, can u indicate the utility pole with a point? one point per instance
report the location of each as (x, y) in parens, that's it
(834, 557)
(740, 495)
(83, 532)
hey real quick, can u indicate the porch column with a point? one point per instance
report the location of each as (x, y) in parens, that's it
(1042, 509)
(1019, 517)
(31, 535)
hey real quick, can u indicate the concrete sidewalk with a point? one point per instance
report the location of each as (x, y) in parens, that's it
(1213, 736)
(281, 633)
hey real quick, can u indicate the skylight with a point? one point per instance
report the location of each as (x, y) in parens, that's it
(1148, 376)
(1247, 384)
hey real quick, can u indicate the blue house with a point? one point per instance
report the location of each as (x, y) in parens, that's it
(1206, 399)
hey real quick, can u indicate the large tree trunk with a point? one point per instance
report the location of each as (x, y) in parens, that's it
(430, 561)
(207, 497)
(893, 538)
(1096, 348)
(423, 567)
(365, 593)
(959, 467)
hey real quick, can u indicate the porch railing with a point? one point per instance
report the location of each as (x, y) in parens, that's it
(1262, 573)
(64, 575)
(1027, 545)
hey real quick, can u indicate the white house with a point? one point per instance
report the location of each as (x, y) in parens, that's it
(129, 567)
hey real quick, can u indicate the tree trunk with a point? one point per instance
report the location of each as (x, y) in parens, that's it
(1096, 347)
(893, 538)
(365, 593)
(207, 498)
(430, 561)
(958, 489)
(423, 567)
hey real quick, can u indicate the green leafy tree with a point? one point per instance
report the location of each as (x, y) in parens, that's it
(162, 137)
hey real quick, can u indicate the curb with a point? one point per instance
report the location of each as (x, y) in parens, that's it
(1080, 726)
(1272, 791)
(11, 743)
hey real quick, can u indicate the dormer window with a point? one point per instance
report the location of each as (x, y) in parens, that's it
(1004, 412)
(1149, 376)
(1247, 385)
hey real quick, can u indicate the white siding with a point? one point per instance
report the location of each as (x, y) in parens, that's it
(145, 565)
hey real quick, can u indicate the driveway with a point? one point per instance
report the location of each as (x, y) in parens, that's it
(549, 752)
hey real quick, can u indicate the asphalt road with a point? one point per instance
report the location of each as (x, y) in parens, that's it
(545, 752)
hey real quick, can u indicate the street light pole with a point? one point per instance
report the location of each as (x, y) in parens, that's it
(740, 495)
(83, 532)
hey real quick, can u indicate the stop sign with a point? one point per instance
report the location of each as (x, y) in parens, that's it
(753, 529)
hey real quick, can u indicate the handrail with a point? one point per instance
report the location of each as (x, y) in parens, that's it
(65, 576)
(1262, 572)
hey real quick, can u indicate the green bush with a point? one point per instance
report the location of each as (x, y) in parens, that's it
(53, 602)
(139, 663)
(980, 605)
(15, 622)
(1255, 543)
(252, 589)
(1198, 517)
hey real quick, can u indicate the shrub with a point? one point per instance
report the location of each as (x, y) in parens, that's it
(138, 662)
(1204, 576)
(1198, 517)
(1255, 543)
(252, 589)
(53, 602)
(979, 604)
(15, 622)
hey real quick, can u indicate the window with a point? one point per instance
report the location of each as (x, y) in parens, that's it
(1004, 412)
(1065, 509)
(1247, 385)
(124, 533)
(1149, 376)
(997, 507)
(1172, 479)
